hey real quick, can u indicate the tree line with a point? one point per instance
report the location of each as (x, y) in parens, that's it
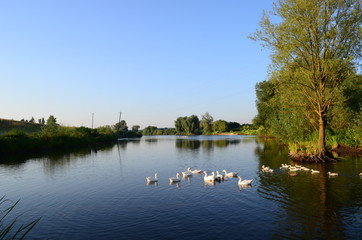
(192, 125)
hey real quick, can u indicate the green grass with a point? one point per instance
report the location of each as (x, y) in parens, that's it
(26, 127)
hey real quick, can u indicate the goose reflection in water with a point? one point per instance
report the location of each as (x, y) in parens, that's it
(188, 178)
(244, 187)
(209, 184)
(152, 184)
(177, 184)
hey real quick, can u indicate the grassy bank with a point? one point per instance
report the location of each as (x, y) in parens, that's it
(56, 137)
(26, 127)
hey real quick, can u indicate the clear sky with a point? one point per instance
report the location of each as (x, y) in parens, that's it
(153, 60)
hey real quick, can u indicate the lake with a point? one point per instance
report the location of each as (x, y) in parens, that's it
(102, 193)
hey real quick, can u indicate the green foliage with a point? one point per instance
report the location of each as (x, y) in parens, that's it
(121, 126)
(54, 136)
(220, 126)
(151, 130)
(135, 128)
(313, 90)
(248, 129)
(105, 130)
(233, 126)
(8, 125)
(206, 123)
(187, 125)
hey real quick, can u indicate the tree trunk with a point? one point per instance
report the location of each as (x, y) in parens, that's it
(321, 149)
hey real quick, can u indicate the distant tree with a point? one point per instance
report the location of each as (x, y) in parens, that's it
(39, 120)
(178, 125)
(233, 126)
(220, 126)
(206, 123)
(149, 130)
(51, 127)
(22, 120)
(52, 120)
(135, 128)
(265, 98)
(187, 125)
(105, 130)
(32, 120)
(121, 126)
(191, 125)
(43, 121)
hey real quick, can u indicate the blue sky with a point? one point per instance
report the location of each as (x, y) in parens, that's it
(152, 60)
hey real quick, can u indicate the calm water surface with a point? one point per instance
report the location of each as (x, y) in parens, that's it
(102, 194)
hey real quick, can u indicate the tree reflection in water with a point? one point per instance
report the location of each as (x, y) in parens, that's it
(309, 206)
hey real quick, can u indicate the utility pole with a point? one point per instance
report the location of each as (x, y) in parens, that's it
(92, 119)
(119, 120)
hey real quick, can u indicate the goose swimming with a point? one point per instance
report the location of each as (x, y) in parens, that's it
(230, 174)
(152, 179)
(175, 179)
(244, 182)
(196, 171)
(209, 178)
(187, 173)
(332, 174)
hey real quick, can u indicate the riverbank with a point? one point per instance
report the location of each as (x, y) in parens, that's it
(17, 141)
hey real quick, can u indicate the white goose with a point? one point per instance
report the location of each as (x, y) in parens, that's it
(175, 179)
(219, 175)
(314, 171)
(196, 171)
(152, 179)
(360, 174)
(187, 173)
(209, 178)
(266, 169)
(244, 182)
(230, 174)
(332, 174)
(217, 178)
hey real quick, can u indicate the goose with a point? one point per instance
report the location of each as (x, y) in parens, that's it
(209, 178)
(230, 174)
(187, 173)
(314, 171)
(217, 178)
(219, 175)
(152, 179)
(266, 169)
(293, 169)
(244, 182)
(196, 171)
(175, 179)
(360, 174)
(284, 166)
(332, 174)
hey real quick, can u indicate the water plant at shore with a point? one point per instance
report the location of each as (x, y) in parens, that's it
(9, 228)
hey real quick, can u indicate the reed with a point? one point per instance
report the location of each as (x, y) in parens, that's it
(9, 226)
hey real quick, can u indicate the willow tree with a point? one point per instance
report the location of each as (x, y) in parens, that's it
(316, 45)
